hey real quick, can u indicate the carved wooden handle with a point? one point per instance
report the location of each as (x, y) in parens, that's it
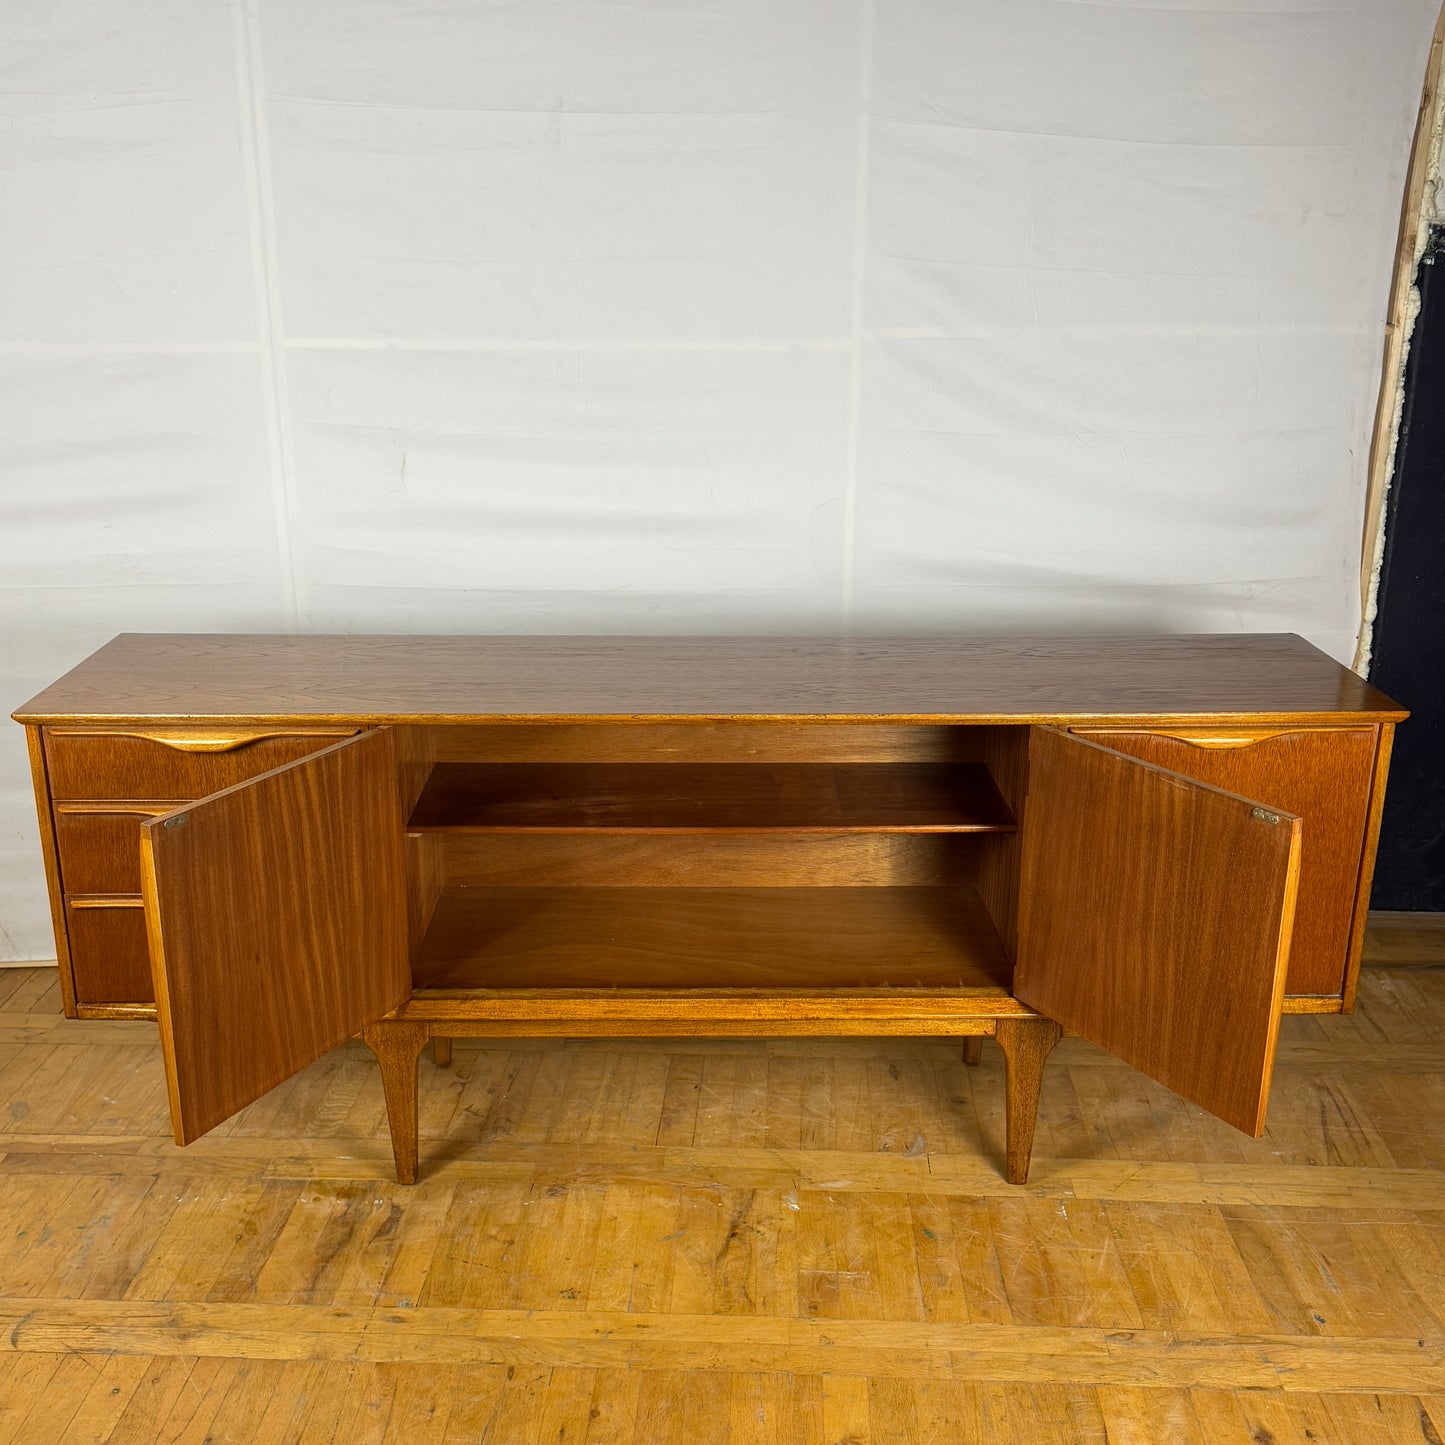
(91, 808)
(1234, 738)
(217, 740)
(1195, 737)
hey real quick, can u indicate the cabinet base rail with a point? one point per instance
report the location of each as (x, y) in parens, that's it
(1026, 1045)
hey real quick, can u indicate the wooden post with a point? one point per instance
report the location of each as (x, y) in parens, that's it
(441, 1051)
(397, 1046)
(1026, 1044)
(973, 1051)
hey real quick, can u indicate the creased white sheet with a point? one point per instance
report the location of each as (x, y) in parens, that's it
(889, 314)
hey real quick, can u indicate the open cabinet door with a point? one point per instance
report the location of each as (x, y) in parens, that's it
(276, 914)
(1155, 916)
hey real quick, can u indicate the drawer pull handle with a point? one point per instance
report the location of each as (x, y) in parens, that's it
(187, 740)
(203, 742)
(1223, 740)
(102, 808)
(1195, 738)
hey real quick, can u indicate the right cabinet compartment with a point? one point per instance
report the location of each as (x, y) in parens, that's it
(1324, 776)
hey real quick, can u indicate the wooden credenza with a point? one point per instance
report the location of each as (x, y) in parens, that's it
(273, 844)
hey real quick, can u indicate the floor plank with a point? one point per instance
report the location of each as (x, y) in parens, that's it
(707, 1239)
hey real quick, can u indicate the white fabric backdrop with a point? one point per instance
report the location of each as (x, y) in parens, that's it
(753, 315)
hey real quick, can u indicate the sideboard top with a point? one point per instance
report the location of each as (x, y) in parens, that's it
(399, 679)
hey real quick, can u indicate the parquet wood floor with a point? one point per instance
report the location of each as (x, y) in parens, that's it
(695, 1241)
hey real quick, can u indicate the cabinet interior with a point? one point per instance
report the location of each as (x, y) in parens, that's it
(701, 856)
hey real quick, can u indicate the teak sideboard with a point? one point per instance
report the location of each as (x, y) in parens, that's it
(273, 844)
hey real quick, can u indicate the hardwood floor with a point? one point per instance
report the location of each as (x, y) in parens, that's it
(705, 1240)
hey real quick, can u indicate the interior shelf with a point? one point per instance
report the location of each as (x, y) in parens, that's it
(929, 938)
(712, 798)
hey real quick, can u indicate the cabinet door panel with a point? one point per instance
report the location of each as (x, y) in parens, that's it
(276, 913)
(1155, 920)
(1322, 774)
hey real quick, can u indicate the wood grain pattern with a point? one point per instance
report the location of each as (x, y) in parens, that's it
(55, 892)
(1312, 1003)
(704, 742)
(99, 844)
(1321, 775)
(416, 750)
(108, 959)
(398, 1047)
(721, 860)
(1396, 939)
(1371, 848)
(187, 738)
(1155, 920)
(735, 740)
(712, 798)
(397, 1044)
(1006, 755)
(1026, 1045)
(272, 679)
(145, 1011)
(85, 764)
(277, 924)
(712, 1014)
(611, 1233)
(711, 938)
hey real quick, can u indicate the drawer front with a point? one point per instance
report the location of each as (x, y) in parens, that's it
(99, 849)
(1322, 774)
(109, 959)
(179, 764)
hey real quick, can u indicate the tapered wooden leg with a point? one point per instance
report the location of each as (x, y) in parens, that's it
(441, 1051)
(973, 1051)
(1026, 1043)
(398, 1047)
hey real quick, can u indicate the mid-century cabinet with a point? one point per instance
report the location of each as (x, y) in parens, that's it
(273, 844)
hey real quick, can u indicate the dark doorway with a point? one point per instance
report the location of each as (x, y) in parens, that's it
(1408, 659)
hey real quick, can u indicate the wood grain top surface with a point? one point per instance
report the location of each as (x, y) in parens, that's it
(401, 679)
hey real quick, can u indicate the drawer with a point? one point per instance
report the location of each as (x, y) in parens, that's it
(179, 764)
(1324, 775)
(109, 959)
(99, 846)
